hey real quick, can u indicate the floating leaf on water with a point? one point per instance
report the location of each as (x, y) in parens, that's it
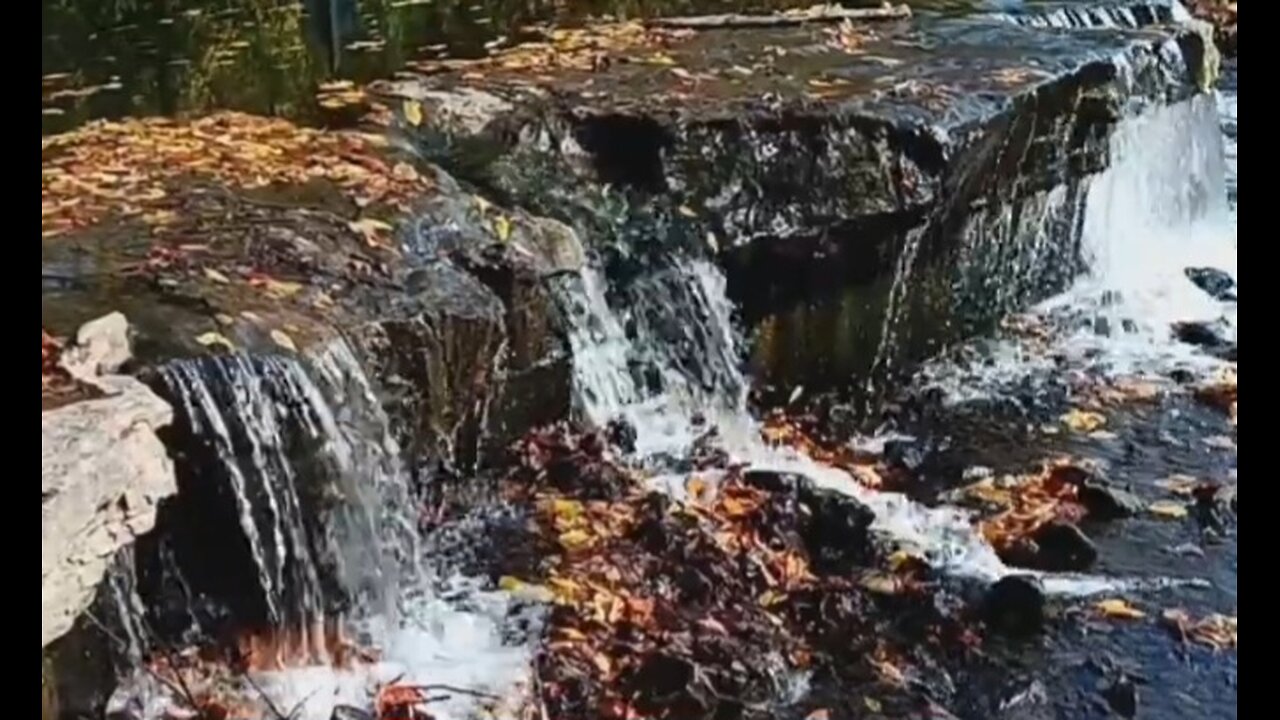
(251, 316)
(282, 339)
(224, 319)
(216, 276)
(872, 704)
(412, 112)
(510, 584)
(687, 211)
(819, 714)
(661, 58)
(1168, 509)
(714, 245)
(1178, 484)
(215, 339)
(1103, 435)
(1083, 421)
(1118, 608)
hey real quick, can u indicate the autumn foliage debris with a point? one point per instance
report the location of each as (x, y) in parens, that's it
(681, 609)
(138, 168)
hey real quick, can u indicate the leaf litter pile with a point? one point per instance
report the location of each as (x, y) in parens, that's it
(138, 168)
(731, 603)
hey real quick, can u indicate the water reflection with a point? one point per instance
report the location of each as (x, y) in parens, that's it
(112, 58)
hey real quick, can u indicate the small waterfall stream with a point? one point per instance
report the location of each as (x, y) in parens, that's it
(1159, 207)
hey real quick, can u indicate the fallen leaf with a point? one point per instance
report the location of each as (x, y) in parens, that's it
(412, 112)
(1118, 608)
(282, 339)
(819, 714)
(216, 276)
(1083, 421)
(280, 289)
(373, 231)
(1178, 484)
(1168, 509)
(872, 704)
(880, 584)
(502, 228)
(574, 539)
(687, 211)
(508, 583)
(212, 339)
(224, 319)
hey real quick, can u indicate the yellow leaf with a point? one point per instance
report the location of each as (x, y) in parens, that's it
(1118, 608)
(661, 58)
(282, 339)
(696, 487)
(216, 276)
(880, 584)
(872, 704)
(769, 598)
(1168, 509)
(502, 228)
(566, 510)
(372, 230)
(574, 539)
(413, 112)
(903, 558)
(687, 211)
(212, 339)
(1084, 421)
(281, 289)
(508, 583)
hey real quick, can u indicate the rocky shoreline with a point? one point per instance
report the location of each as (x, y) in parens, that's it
(813, 161)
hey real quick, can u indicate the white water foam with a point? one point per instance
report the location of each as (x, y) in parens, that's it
(431, 625)
(1160, 208)
(665, 425)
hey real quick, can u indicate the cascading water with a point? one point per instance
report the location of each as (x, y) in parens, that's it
(328, 524)
(684, 406)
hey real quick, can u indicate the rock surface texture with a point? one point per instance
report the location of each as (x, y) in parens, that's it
(102, 472)
(879, 173)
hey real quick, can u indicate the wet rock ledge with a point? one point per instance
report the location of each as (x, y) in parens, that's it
(824, 163)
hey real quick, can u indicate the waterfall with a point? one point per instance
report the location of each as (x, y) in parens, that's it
(667, 361)
(1160, 207)
(1074, 16)
(295, 457)
(694, 347)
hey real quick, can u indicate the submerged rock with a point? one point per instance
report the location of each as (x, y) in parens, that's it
(1206, 336)
(836, 526)
(1102, 499)
(1015, 605)
(1054, 547)
(1218, 284)
(1122, 697)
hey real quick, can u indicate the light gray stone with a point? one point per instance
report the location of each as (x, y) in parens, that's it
(102, 472)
